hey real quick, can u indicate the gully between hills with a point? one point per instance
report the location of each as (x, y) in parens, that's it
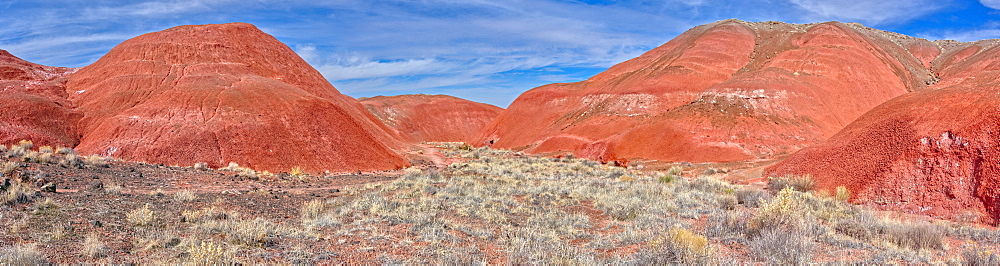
(904, 123)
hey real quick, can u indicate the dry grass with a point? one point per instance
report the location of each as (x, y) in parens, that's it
(21, 254)
(142, 216)
(17, 193)
(797, 183)
(92, 247)
(185, 196)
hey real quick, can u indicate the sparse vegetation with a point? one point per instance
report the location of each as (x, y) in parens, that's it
(185, 196)
(492, 206)
(142, 216)
(797, 183)
(21, 255)
(92, 247)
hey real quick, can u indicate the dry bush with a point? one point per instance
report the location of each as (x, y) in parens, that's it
(208, 253)
(95, 161)
(786, 210)
(797, 183)
(751, 197)
(254, 233)
(185, 196)
(8, 167)
(16, 193)
(729, 224)
(780, 247)
(113, 188)
(21, 254)
(46, 207)
(979, 256)
(65, 151)
(142, 216)
(313, 210)
(71, 160)
(863, 226)
(842, 194)
(915, 236)
(201, 166)
(93, 247)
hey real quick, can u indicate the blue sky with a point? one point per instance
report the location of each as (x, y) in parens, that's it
(486, 51)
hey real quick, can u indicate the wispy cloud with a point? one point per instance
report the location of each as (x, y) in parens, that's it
(871, 12)
(489, 50)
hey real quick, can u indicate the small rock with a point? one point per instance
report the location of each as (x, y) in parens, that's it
(49, 187)
(96, 223)
(334, 190)
(5, 184)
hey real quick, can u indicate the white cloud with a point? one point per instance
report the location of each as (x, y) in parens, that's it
(994, 4)
(870, 12)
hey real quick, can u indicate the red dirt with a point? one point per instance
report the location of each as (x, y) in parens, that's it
(432, 118)
(726, 91)
(223, 93)
(33, 104)
(932, 152)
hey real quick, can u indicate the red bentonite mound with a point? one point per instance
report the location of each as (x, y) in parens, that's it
(436, 118)
(935, 151)
(219, 94)
(725, 91)
(33, 104)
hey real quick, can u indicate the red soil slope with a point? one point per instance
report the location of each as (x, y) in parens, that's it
(440, 118)
(219, 94)
(33, 104)
(935, 151)
(726, 91)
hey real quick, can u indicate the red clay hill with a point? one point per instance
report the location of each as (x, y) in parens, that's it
(725, 91)
(439, 118)
(33, 104)
(935, 151)
(219, 94)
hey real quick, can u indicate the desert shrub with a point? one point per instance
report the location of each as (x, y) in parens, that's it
(185, 196)
(95, 161)
(729, 224)
(842, 194)
(71, 160)
(751, 197)
(313, 209)
(297, 172)
(21, 254)
(915, 236)
(687, 246)
(46, 207)
(798, 183)
(8, 167)
(65, 151)
(16, 193)
(863, 226)
(786, 210)
(93, 247)
(46, 149)
(142, 216)
(207, 253)
(979, 256)
(776, 246)
(201, 166)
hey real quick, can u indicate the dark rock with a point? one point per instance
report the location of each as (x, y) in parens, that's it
(96, 223)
